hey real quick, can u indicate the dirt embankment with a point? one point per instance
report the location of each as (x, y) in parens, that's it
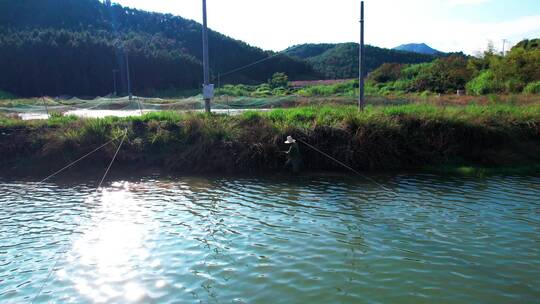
(255, 145)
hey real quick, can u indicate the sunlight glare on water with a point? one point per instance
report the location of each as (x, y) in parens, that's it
(299, 240)
(113, 248)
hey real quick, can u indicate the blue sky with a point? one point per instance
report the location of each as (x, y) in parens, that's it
(497, 10)
(448, 25)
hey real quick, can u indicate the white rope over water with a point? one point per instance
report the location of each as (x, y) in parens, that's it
(78, 160)
(348, 167)
(113, 159)
(64, 251)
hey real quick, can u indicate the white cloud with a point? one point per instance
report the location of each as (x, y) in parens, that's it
(466, 2)
(478, 34)
(278, 24)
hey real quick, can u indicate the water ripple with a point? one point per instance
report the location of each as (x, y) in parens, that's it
(299, 240)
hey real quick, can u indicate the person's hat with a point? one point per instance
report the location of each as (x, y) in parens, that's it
(290, 140)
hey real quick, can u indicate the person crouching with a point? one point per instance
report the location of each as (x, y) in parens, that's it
(294, 158)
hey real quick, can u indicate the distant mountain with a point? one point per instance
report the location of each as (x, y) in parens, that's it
(56, 47)
(420, 48)
(337, 61)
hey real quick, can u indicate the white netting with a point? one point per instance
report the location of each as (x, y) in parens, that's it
(122, 106)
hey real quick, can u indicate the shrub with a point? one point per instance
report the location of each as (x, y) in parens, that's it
(532, 88)
(386, 73)
(263, 90)
(278, 80)
(6, 95)
(56, 114)
(514, 85)
(484, 83)
(445, 75)
(413, 70)
(425, 94)
(235, 90)
(279, 92)
(340, 89)
(403, 85)
(519, 68)
(96, 130)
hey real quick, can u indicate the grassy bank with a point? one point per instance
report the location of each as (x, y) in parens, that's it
(401, 137)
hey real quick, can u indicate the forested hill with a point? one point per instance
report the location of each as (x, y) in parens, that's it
(528, 44)
(56, 47)
(341, 60)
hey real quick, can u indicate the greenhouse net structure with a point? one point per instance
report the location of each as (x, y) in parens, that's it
(40, 108)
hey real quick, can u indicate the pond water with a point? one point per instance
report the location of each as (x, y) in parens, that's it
(317, 239)
(85, 113)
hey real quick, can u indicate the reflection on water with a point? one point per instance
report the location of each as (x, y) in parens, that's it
(93, 113)
(108, 253)
(86, 114)
(306, 240)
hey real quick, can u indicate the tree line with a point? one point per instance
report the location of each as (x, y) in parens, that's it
(71, 47)
(517, 71)
(340, 61)
(57, 62)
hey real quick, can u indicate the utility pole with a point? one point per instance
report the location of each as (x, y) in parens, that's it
(129, 85)
(114, 81)
(128, 77)
(504, 46)
(361, 99)
(208, 89)
(45, 104)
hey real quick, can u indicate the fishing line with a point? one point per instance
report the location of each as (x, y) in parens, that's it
(113, 159)
(78, 160)
(348, 167)
(60, 253)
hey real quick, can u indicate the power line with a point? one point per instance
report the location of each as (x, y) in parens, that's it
(251, 64)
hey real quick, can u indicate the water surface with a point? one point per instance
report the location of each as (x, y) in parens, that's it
(301, 240)
(92, 113)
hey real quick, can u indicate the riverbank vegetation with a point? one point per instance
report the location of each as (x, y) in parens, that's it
(516, 72)
(278, 86)
(382, 138)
